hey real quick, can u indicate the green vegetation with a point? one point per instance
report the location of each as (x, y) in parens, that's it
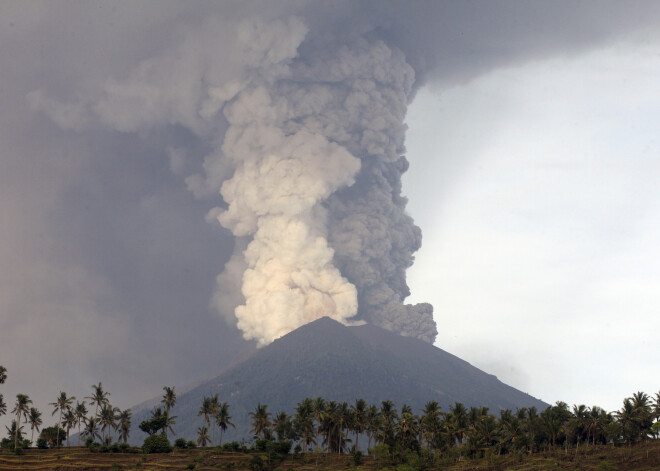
(158, 421)
(156, 444)
(358, 435)
(52, 436)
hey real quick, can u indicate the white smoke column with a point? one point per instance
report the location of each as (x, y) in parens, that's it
(282, 175)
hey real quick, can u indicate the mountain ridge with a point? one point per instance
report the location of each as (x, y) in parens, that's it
(325, 358)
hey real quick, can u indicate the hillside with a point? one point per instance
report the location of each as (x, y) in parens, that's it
(328, 359)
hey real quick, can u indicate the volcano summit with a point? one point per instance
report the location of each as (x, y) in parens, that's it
(327, 359)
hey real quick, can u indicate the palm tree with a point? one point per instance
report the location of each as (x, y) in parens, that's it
(124, 424)
(429, 425)
(599, 420)
(591, 423)
(14, 430)
(509, 430)
(360, 417)
(206, 410)
(643, 413)
(214, 404)
(169, 400)
(378, 429)
(62, 404)
(319, 412)
(306, 432)
(281, 425)
(21, 408)
(343, 418)
(485, 433)
(167, 425)
(406, 427)
(98, 397)
(328, 424)
(656, 407)
(626, 417)
(304, 423)
(223, 419)
(35, 421)
(532, 422)
(554, 418)
(202, 436)
(389, 414)
(371, 423)
(260, 420)
(69, 422)
(92, 429)
(108, 419)
(80, 412)
(459, 422)
(580, 422)
(3, 377)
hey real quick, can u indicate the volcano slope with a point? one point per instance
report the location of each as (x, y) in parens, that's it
(327, 359)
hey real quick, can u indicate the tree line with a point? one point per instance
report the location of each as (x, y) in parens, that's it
(103, 424)
(329, 426)
(338, 427)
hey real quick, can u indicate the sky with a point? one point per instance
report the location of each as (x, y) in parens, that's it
(540, 250)
(533, 155)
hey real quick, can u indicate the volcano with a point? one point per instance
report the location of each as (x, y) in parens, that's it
(325, 358)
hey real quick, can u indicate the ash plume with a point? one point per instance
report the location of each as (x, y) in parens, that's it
(317, 145)
(307, 137)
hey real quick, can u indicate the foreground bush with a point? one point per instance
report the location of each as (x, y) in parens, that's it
(233, 446)
(181, 443)
(53, 436)
(256, 463)
(156, 444)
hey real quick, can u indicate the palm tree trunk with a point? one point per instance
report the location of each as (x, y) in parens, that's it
(57, 439)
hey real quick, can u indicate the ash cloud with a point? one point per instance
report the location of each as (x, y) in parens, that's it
(316, 138)
(316, 141)
(307, 154)
(314, 90)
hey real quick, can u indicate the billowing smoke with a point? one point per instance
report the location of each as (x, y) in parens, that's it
(308, 144)
(317, 141)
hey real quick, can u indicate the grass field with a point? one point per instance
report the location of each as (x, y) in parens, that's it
(645, 456)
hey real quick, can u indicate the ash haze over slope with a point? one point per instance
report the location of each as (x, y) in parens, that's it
(160, 156)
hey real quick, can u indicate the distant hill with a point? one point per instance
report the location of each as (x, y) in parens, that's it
(327, 359)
